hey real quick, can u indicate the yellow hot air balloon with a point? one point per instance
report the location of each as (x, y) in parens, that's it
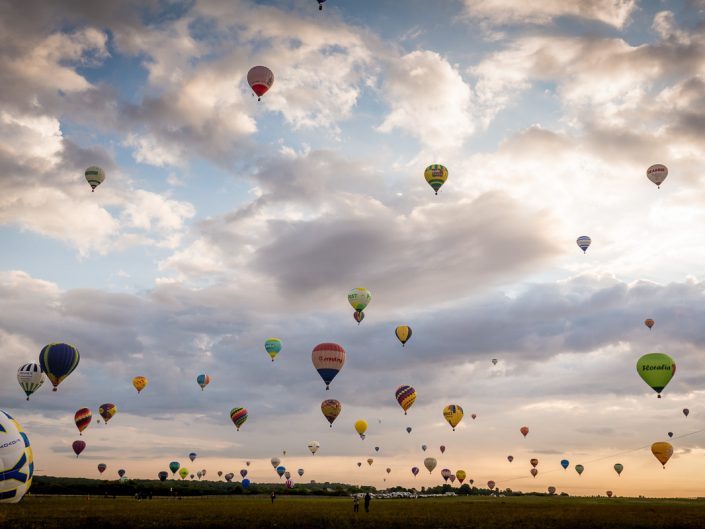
(453, 414)
(140, 383)
(662, 452)
(403, 333)
(361, 428)
(436, 175)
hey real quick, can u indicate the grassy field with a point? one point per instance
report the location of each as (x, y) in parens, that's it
(337, 513)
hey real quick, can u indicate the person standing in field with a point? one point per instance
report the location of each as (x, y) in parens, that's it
(367, 502)
(273, 496)
(356, 503)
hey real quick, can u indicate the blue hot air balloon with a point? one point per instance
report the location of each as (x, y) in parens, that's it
(565, 463)
(163, 475)
(192, 456)
(245, 483)
(281, 470)
(174, 466)
(58, 360)
(584, 242)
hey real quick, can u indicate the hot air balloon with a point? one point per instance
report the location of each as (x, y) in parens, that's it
(102, 467)
(423, 447)
(238, 416)
(247, 463)
(670, 434)
(273, 346)
(78, 447)
(510, 458)
(656, 369)
(494, 361)
(174, 467)
(203, 472)
(140, 383)
(370, 461)
(162, 475)
(192, 456)
(460, 474)
(229, 477)
(584, 242)
(376, 448)
(359, 464)
(203, 380)
(534, 462)
(361, 428)
(30, 378)
(220, 473)
(107, 411)
(313, 447)
(406, 395)
(287, 474)
(443, 449)
(331, 408)
(243, 472)
(58, 360)
(94, 176)
(403, 333)
(618, 467)
(579, 469)
(564, 463)
(82, 418)
(275, 462)
(280, 470)
(551, 490)
(657, 173)
(408, 429)
(16, 461)
(686, 411)
(121, 472)
(491, 484)
(328, 359)
(359, 298)
(534, 472)
(609, 493)
(300, 472)
(260, 79)
(436, 175)
(649, 322)
(662, 452)
(358, 316)
(445, 474)
(183, 472)
(524, 430)
(289, 484)
(430, 463)
(471, 481)
(453, 414)
(473, 416)
(245, 483)
(320, 4)
(388, 470)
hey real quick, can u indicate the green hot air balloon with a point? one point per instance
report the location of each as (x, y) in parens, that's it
(657, 370)
(618, 467)
(579, 469)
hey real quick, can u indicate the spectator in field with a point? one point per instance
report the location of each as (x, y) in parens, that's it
(273, 496)
(356, 503)
(367, 502)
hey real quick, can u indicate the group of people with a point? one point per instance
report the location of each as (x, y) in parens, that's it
(356, 502)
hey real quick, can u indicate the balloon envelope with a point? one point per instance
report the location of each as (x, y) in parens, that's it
(414, 470)
(174, 466)
(140, 383)
(510, 458)
(430, 463)
(453, 414)
(618, 467)
(524, 430)
(657, 370)
(275, 462)
(686, 411)
(328, 359)
(551, 490)
(584, 242)
(460, 474)
(273, 346)
(203, 380)
(260, 79)
(662, 452)
(403, 333)
(491, 484)
(331, 408)
(359, 298)
(358, 316)
(30, 378)
(280, 470)
(436, 175)
(565, 463)
(94, 176)
(649, 322)
(657, 173)
(534, 472)
(15, 461)
(238, 416)
(82, 418)
(579, 469)
(445, 474)
(192, 456)
(58, 360)
(183, 472)
(361, 427)
(405, 395)
(534, 462)
(102, 467)
(245, 483)
(107, 411)
(313, 447)
(163, 475)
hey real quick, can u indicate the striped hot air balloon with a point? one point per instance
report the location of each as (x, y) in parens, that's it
(82, 418)
(583, 242)
(436, 175)
(94, 176)
(260, 79)
(406, 395)
(273, 346)
(328, 359)
(58, 360)
(403, 333)
(203, 380)
(238, 416)
(30, 378)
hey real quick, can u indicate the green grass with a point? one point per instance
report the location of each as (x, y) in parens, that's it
(337, 513)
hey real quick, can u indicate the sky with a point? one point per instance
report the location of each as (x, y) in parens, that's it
(224, 221)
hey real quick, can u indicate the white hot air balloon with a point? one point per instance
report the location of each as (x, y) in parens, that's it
(30, 378)
(430, 463)
(657, 173)
(313, 446)
(260, 79)
(15, 460)
(94, 176)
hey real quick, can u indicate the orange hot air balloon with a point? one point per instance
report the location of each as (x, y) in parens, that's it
(534, 462)
(524, 430)
(609, 493)
(662, 452)
(649, 322)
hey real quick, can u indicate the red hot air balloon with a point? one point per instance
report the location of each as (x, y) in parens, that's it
(649, 322)
(78, 447)
(359, 316)
(609, 493)
(82, 418)
(524, 431)
(260, 79)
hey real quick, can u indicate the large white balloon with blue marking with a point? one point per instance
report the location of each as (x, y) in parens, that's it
(16, 464)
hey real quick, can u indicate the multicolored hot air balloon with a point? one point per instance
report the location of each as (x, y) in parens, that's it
(203, 380)
(273, 346)
(94, 176)
(102, 467)
(238, 416)
(174, 467)
(331, 408)
(313, 447)
(453, 414)
(657, 370)
(565, 463)
(436, 175)
(662, 452)
(16, 462)
(361, 428)
(403, 333)
(584, 242)
(78, 447)
(107, 411)
(140, 383)
(618, 467)
(260, 79)
(649, 323)
(359, 298)
(524, 430)
(430, 463)
(657, 173)
(328, 359)
(58, 360)
(406, 395)
(30, 378)
(358, 316)
(82, 418)
(579, 469)
(415, 471)
(460, 474)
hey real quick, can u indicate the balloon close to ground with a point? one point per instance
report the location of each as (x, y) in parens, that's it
(16, 460)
